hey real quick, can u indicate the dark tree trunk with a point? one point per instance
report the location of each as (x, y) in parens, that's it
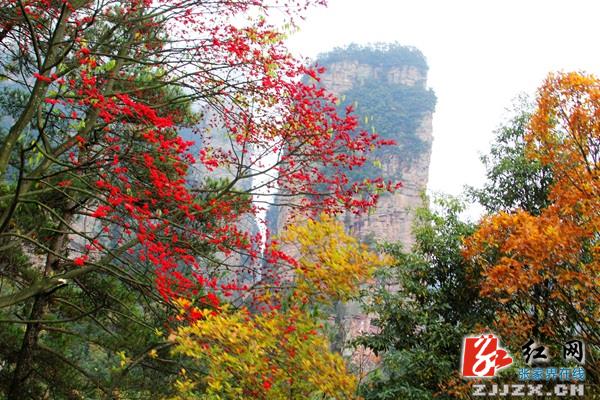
(19, 390)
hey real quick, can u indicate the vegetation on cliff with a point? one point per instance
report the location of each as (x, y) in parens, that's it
(378, 54)
(394, 107)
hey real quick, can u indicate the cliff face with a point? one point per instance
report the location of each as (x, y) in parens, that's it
(393, 218)
(344, 75)
(391, 90)
(388, 88)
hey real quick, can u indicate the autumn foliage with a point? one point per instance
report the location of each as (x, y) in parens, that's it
(282, 352)
(138, 140)
(116, 141)
(545, 268)
(141, 134)
(330, 264)
(268, 356)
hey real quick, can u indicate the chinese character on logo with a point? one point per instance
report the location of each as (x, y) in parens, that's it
(564, 374)
(551, 373)
(482, 357)
(574, 350)
(534, 352)
(524, 374)
(578, 374)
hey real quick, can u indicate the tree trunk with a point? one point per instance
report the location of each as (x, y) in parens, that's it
(19, 390)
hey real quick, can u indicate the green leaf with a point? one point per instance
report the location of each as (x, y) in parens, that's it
(109, 66)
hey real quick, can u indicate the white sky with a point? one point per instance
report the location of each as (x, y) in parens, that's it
(481, 55)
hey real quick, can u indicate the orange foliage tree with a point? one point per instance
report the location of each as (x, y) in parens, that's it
(545, 268)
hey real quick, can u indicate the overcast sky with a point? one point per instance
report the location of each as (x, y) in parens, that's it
(481, 55)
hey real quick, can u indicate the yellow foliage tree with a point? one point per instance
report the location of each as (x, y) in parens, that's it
(331, 264)
(546, 268)
(275, 355)
(282, 353)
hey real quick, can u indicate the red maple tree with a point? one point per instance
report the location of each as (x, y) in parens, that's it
(110, 88)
